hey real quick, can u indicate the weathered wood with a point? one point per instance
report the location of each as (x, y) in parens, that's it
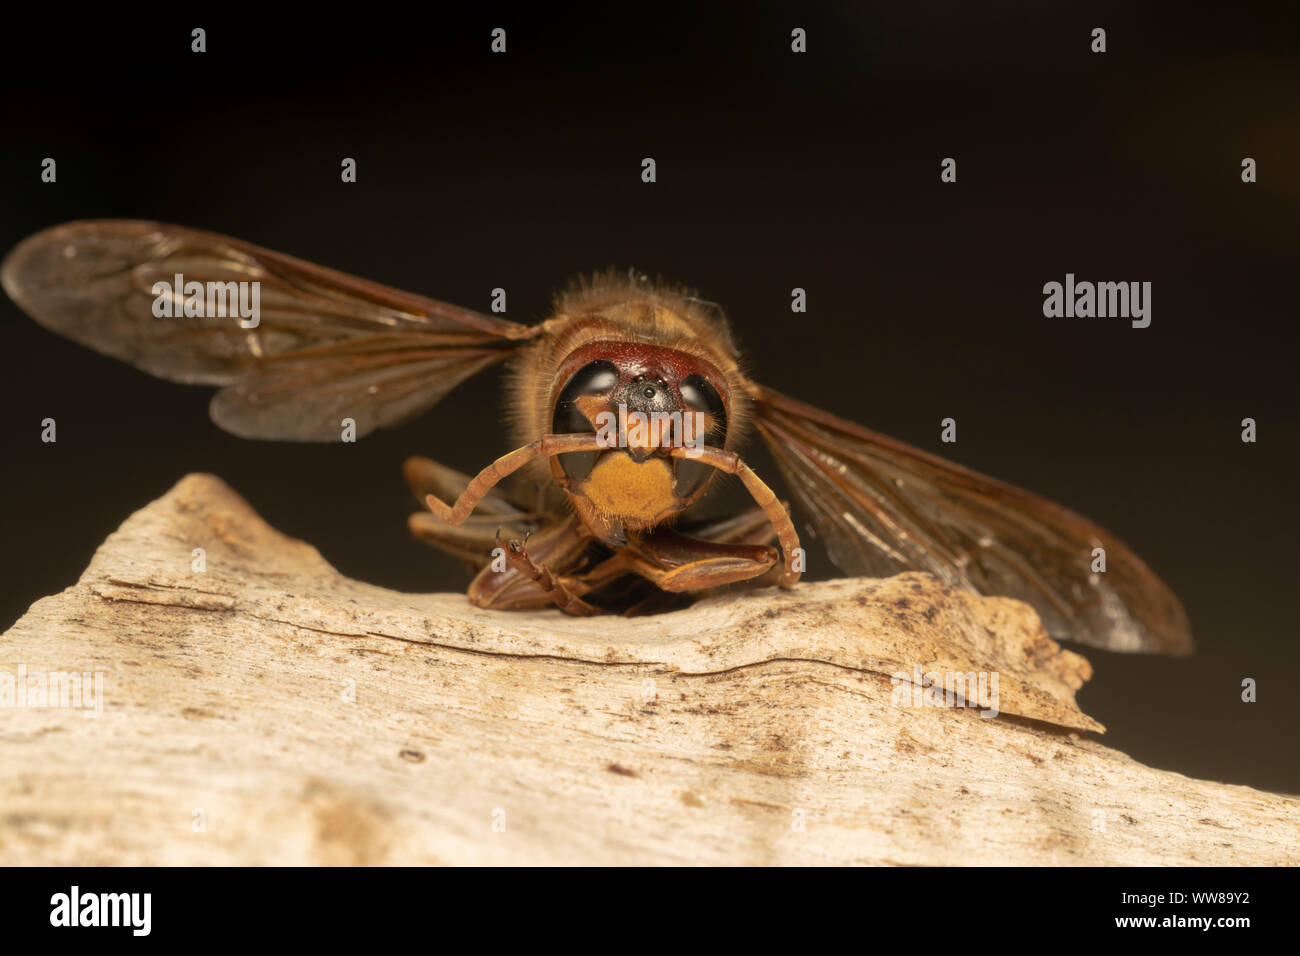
(269, 710)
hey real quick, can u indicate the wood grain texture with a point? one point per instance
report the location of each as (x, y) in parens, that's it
(268, 710)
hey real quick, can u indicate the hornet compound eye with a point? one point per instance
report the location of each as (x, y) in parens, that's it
(699, 395)
(594, 378)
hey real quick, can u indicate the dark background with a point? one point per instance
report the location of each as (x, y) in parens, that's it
(775, 170)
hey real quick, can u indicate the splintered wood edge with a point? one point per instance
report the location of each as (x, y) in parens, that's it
(908, 628)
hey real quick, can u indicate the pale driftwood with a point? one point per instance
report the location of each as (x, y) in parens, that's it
(268, 710)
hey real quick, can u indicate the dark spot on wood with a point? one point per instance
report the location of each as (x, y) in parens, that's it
(412, 756)
(621, 771)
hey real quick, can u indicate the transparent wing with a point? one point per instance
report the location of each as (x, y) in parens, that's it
(327, 345)
(883, 507)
